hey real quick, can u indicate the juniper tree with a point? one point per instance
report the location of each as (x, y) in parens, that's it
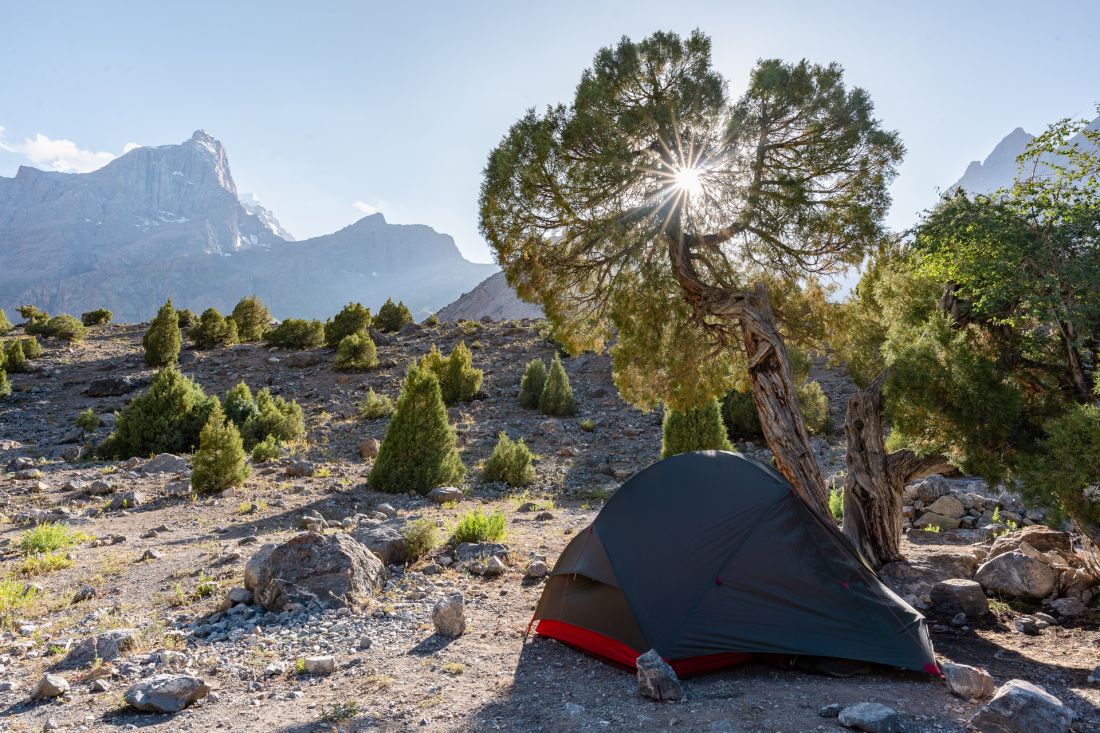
(252, 319)
(392, 316)
(15, 357)
(166, 418)
(654, 208)
(509, 463)
(213, 330)
(557, 393)
(418, 452)
(297, 333)
(5, 385)
(87, 421)
(162, 341)
(532, 383)
(5, 324)
(354, 318)
(220, 462)
(357, 353)
(98, 317)
(31, 348)
(458, 379)
(697, 428)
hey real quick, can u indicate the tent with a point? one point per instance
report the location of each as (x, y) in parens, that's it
(710, 558)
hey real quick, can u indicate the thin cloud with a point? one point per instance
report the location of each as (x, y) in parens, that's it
(56, 155)
(366, 208)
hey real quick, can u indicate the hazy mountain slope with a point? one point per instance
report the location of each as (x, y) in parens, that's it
(493, 298)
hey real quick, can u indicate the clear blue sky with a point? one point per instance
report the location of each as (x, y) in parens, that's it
(396, 105)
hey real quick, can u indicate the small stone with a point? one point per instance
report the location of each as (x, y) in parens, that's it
(445, 494)
(319, 665)
(1068, 607)
(871, 717)
(128, 500)
(537, 569)
(105, 647)
(151, 554)
(51, 685)
(1019, 574)
(1021, 707)
(1094, 678)
(276, 668)
(831, 710)
(656, 678)
(969, 683)
(1026, 625)
(494, 567)
(166, 693)
(573, 709)
(85, 593)
(449, 616)
(100, 685)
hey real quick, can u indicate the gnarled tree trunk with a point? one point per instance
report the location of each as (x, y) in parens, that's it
(875, 484)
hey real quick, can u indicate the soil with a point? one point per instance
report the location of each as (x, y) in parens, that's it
(495, 676)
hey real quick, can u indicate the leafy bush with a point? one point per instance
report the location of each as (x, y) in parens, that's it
(297, 333)
(699, 428)
(88, 421)
(432, 320)
(375, 406)
(278, 417)
(66, 328)
(167, 418)
(186, 318)
(219, 463)
(815, 407)
(32, 313)
(5, 385)
(213, 330)
(266, 450)
(418, 452)
(420, 539)
(478, 527)
(392, 317)
(5, 324)
(743, 422)
(457, 377)
(49, 537)
(510, 462)
(353, 318)
(557, 395)
(836, 504)
(1062, 475)
(98, 317)
(357, 353)
(252, 318)
(15, 357)
(31, 348)
(588, 425)
(16, 597)
(240, 405)
(532, 384)
(162, 341)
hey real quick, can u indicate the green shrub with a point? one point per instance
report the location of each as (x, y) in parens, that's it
(32, 313)
(266, 450)
(588, 425)
(252, 318)
(186, 318)
(32, 349)
(557, 395)
(815, 407)
(16, 598)
(375, 406)
(88, 422)
(478, 527)
(432, 320)
(49, 537)
(353, 319)
(15, 357)
(392, 317)
(743, 422)
(509, 463)
(278, 417)
(240, 406)
(532, 384)
(5, 324)
(420, 539)
(162, 341)
(297, 333)
(98, 317)
(219, 463)
(699, 428)
(5, 385)
(418, 452)
(457, 377)
(213, 330)
(167, 418)
(1062, 475)
(357, 353)
(66, 328)
(836, 504)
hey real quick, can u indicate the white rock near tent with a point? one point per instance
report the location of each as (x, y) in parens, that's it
(1021, 707)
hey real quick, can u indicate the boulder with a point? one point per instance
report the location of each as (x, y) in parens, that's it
(128, 500)
(931, 519)
(165, 693)
(166, 463)
(333, 569)
(958, 595)
(113, 386)
(931, 489)
(1068, 607)
(51, 685)
(656, 678)
(300, 469)
(871, 717)
(1021, 707)
(384, 540)
(969, 683)
(537, 569)
(319, 665)
(1043, 539)
(1018, 575)
(105, 647)
(445, 494)
(449, 616)
(947, 506)
(369, 448)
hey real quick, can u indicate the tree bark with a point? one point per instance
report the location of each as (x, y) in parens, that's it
(875, 484)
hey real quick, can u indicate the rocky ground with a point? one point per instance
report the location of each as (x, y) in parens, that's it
(155, 567)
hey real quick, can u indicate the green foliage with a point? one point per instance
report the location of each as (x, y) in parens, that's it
(162, 341)
(815, 407)
(15, 356)
(213, 330)
(32, 349)
(392, 317)
(186, 318)
(167, 418)
(5, 324)
(263, 416)
(88, 421)
(49, 537)
(266, 450)
(32, 314)
(5, 385)
(240, 406)
(432, 320)
(418, 452)
(477, 527)
(836, 504)
(297, 333)
(740, 416)
(1063, 473)
(357, 353)
(252, 319)
(457, 377)
(532, 383)
(16, 597)
(353, 319)
(698, 428)
(375, 406)
(557, 394)
(420, 539)
(588, 425)
(220, 461)
(64, 327)
(510, 462)
(98, 317)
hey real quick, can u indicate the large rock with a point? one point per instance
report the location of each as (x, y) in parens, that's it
(105, 647)
(931, 519)
(166, 463)
(333, 569)
(1043, 539)
(930, 489)
(958, 595)
(445, 494)
(871, 717)
(1021, 707)
(1017, 574)
(969, 683)
(51, 685)
(947, 506)
(384, 540)
(113, 386)
(449, 616)
(165, 693)
(657, 679)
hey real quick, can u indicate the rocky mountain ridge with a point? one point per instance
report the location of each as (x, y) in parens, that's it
(492, 298)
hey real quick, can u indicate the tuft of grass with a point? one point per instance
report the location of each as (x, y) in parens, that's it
(588, 425)
(933, 528)
(206, 588)
(455, 668)
(49, 537)
(420, 539)
(375, 406)
(339, 711)
(266, 450)
(476, 527)
(16, 598)
(43, 563)
(323, 472)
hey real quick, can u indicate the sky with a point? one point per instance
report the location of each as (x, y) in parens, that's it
(333, 110)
